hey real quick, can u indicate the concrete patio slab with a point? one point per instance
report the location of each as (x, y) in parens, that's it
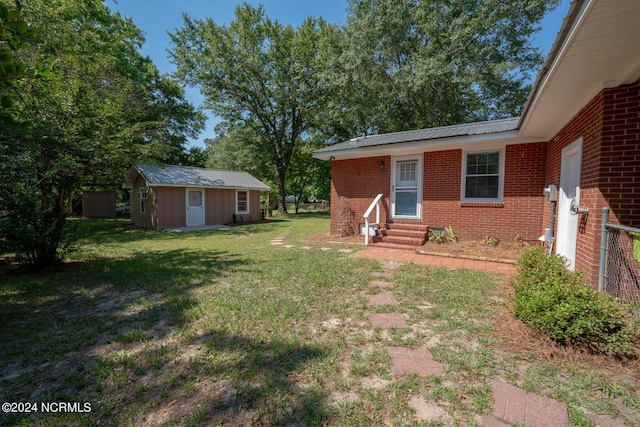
(199, 228)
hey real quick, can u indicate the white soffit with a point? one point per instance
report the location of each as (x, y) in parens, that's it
(601, 50)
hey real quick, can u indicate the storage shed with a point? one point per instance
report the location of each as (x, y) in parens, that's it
(179, 196)
(99, 204)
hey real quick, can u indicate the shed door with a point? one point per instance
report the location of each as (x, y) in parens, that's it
(195, 207)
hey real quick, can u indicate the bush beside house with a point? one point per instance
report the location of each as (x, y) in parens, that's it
(553, 300)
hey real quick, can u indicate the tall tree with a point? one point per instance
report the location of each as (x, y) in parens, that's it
(309, 178)
(14, 36)
(408, 64)
(103, 107)
(258, 74)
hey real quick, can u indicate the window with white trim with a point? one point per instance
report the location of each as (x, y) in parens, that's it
(142, 193)
(242, 201)
(482, 176)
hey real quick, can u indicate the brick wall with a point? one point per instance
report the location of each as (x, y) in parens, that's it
(620, 153)
(360, 180)
(610, 127)
(520, 213)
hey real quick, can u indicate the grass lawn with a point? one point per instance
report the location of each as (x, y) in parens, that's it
(223, 328)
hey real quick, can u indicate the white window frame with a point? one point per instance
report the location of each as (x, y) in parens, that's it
(238, 211)
(419, 184)
(143, 193)
(143, 206)
(463, 181)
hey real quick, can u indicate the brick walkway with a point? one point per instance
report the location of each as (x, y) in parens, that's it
(413, 361)
(510, 403)
(407, 256)
(388, 320)
(385, 298)
(514, 405)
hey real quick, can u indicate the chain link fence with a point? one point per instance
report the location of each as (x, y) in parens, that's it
(621, 276)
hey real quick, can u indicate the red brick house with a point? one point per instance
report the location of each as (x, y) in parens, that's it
(579, 132)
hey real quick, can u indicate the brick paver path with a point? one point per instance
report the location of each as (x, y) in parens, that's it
(388, 320)
(515, 405)
(380, 283)
(406, 256)
(385, 298)
(382, 274)
(413, 361)
(511, 404)
(605, 422)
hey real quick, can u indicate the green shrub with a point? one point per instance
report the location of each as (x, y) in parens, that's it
(554, 300)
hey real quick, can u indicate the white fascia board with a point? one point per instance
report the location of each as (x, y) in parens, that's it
(455, 143)
(582, 13)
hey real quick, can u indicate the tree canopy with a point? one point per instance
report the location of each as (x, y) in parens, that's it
(261, 77)
(407, 64)
(103, 107)
(396, 65)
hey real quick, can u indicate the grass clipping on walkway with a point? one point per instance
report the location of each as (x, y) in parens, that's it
(553, 300)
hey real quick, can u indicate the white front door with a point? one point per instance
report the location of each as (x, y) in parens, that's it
(406, 188)
(570, 175)
(195, 207)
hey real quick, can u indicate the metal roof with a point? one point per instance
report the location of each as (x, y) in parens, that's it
(186, 176)
(468, 129)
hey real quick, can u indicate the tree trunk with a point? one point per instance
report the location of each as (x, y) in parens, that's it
(282, 193)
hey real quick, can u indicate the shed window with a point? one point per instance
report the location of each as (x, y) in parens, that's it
(195, 198)
(242, 201)
(482, 176)
(142, 194)
(142, 206)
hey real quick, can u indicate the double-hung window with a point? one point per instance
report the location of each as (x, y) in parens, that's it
(143, 196)
(483, 176)
(242, 201)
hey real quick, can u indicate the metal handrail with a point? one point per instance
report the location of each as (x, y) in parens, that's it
(376, 204)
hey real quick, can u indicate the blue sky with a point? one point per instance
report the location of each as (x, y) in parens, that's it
(157, 17)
